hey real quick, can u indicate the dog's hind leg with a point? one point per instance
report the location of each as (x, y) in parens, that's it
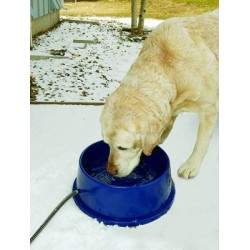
(191, 167)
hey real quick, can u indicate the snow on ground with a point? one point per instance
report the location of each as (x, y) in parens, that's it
(90, 72)
(59, 133)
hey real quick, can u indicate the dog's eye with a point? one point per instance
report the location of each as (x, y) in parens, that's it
(121, 148)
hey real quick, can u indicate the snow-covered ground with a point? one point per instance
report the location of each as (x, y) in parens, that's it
(89, 71)
(59, 133)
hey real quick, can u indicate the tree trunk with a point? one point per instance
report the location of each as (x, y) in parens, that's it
(133, 17)
(142, 17)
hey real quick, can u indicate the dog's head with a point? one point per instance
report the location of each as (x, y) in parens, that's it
(128, 135)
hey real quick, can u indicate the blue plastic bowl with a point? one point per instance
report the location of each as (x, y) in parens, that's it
(143, 196)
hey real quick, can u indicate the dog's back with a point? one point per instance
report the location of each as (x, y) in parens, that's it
(186, 31)
(184, 52)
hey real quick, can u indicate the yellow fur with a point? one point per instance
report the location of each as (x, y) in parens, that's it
(176, 70)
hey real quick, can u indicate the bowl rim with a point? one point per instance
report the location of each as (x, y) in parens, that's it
(125, 187)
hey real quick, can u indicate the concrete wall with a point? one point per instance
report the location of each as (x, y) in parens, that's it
(43, 23)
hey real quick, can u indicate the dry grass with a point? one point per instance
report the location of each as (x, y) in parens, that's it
(158, 9)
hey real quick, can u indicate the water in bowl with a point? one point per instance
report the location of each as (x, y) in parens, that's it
(142, 174)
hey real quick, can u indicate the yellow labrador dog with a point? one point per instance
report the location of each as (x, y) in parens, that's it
(176, 70)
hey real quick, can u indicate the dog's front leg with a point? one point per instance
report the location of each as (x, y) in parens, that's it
(168, 129)
(191, 167)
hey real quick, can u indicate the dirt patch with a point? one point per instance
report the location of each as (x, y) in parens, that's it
(33, 88)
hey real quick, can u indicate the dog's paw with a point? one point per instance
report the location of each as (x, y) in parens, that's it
(188, 170)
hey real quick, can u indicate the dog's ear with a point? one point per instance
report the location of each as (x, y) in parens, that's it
(152, 137)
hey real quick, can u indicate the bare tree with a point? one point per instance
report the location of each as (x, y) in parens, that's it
(133, 17)
(142, 17)
(137, 30)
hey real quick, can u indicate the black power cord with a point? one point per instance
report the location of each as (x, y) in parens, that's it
(38, 231)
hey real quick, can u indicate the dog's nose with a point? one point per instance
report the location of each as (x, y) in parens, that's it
(112, 169)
